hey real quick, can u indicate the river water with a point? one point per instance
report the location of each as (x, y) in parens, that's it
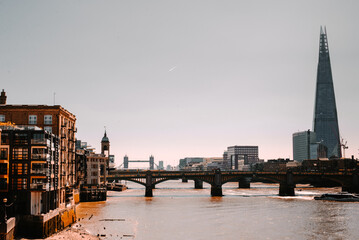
(177, 211)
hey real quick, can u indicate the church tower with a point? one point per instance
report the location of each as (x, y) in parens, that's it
(325, 123)
(105, 145)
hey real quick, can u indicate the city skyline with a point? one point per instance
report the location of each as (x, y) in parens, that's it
(177, 80)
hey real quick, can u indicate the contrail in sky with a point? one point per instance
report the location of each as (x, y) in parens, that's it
(172, 69)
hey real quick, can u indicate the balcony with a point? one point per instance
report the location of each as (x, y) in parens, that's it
(40, 141)
(40, 156)
(39, 186)
(42, 172)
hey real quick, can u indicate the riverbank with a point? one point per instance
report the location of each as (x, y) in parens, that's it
(76, 232)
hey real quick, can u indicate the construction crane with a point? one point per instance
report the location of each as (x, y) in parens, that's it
(344, 146)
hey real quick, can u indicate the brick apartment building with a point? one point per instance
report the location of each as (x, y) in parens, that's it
(53, 119)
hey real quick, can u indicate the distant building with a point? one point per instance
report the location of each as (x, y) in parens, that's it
(325, 122)
(302, 145)
(186, 163)
(305, 146)
(91, 170)
(92, 166)
(105, 150)
(237, 157)
(160, 165)
(111, 160)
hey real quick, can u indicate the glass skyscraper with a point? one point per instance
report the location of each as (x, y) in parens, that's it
(325, 123)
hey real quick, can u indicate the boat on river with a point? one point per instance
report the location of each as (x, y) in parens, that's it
(116, 187)
(341, 197)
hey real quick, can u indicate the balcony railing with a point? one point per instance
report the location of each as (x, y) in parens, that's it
(40, 171)
(40, 141)
(42, 156)
(39, 186)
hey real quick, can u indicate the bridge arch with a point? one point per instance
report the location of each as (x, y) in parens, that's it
(236, 178)
(131, 180)
(189, 178)
(311, 179)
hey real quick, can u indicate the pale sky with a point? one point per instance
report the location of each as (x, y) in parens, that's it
(181, 78)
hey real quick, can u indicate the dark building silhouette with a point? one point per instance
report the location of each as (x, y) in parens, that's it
(325, 114)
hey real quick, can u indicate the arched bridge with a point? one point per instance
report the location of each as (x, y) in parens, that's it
(287, 180)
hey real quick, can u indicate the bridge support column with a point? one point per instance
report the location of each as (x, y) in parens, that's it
(244, 183)
(286, 188)
(149, 188)
(216, 186)
(198, 184)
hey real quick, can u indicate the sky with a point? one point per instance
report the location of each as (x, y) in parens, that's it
(177, 79)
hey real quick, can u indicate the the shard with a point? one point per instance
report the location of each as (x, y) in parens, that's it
(325, 113)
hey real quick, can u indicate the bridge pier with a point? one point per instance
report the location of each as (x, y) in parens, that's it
(149, 187)
(198, 184)
(286, 188)
(244, 183)
(216, 186)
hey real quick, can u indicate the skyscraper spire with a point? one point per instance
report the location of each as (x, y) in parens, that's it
(325, 123)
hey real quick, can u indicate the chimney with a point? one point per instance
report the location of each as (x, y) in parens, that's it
(3, 97)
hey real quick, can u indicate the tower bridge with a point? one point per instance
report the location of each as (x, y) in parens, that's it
(151, 162)
(287, 180)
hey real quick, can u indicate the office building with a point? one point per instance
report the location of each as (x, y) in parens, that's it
(302, 145)
(325, 124)
(238, 157)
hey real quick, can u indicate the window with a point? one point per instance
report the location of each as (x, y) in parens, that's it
(48, 119)
(94, 174)
(19, 183)
(2, 118)
(4, 139)
(39, 153)
(18, 169)
(3, 183)
(20, 153)
(38, 138)
(48, 129)
(32, 119)
(3, 168)
(3, 154)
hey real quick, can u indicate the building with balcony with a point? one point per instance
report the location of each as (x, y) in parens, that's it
(30, 169)
(53, 119)
(29, 178)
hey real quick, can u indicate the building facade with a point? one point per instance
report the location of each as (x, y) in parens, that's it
(238, 157)
(29, 167)
(325, 123)
(302, 142)
(53, 119)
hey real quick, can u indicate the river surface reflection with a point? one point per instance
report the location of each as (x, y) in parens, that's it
(177, 211)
